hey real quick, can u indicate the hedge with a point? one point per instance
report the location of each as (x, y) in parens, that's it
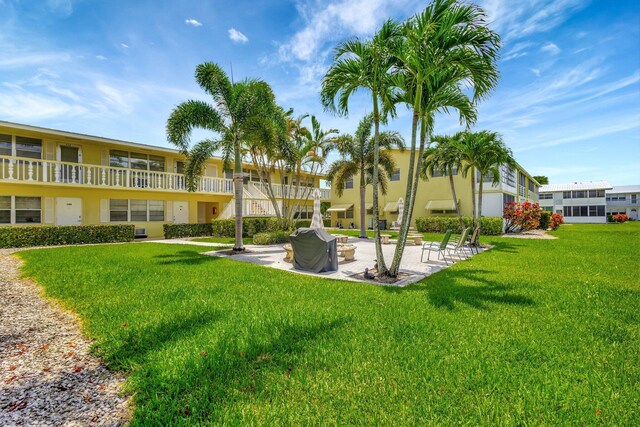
(253, 226)
(172, 231)
(545, 220)
(271, 238)
(491, 225)
(22, 237)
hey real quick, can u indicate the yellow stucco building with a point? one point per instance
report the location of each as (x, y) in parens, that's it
(54, 177)
(434, 196)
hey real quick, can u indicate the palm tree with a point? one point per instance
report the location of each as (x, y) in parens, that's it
(241, 112)
(484, 152)
(358, 155)
(445, 48)
(365, 64)
(444, 158)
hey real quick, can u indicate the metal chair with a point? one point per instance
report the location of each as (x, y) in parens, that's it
(440, 248)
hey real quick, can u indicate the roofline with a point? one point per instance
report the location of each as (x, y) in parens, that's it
(68, 134)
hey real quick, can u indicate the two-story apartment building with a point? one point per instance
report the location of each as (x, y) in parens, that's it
(56, 177)
(623, 199)
(578, 202)
(434, 195)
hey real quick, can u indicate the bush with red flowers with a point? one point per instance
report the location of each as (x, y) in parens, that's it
(521, 216)
(620, 218)
(556, 220)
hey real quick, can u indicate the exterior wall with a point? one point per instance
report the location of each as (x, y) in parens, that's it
(558, 203)
(436, 188)
(630, 205)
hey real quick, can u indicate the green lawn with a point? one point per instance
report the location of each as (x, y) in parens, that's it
(532, 332)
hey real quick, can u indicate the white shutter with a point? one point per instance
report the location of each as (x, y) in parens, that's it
(169, 165)
(49, 210)
(169, 211)
(50, 148)
(105, 157)
(104, 210)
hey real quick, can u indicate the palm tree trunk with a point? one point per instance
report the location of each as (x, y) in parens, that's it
(455, 200)
(395, 266)
(473, 196)
(480, 206)
(363, 227)
(238, 189)
(380, 264)
(406, 219)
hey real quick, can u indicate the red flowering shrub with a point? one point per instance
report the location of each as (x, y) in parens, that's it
(556, 220)
(620, 218)
(521, 216)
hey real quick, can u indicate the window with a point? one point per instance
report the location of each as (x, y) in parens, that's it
(28, 147)
(634, 199)
(180, 168)
(566, 194)
(395, 176)
(123, 210)
(119, 159)
(5, 145)
(437, 173)
(508, 198)
(531, 186)
(348, 214)
(546, 196)
(579, 194)
(567, 211)
(508, 176)
(348, 183)
(596, 193)
(523, 180)
(28, 210)
(156, 210)
(118, 210)
(600, 210)
(138, 161)
(138, 210)
(5, 209)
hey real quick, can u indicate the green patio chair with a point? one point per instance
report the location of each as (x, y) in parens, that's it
(440, 248)
(461, 246)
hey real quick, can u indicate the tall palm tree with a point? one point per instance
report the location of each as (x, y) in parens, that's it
(483, 152)
(445, 48)
(444, 158)
(366, 64)
(241, 112)
(358, 157)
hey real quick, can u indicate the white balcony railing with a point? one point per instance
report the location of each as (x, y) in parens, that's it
(50, 171)
(250, 208)
(281, 191)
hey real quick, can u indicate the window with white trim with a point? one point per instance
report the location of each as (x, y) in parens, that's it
(5, 145)
(136, 210)
(20, 210)
(348, 183)
(395, 176)
(138, 161)
(20, 146)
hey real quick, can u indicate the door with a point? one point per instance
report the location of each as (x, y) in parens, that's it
(180, 212)
(70, 173)
(68, 211)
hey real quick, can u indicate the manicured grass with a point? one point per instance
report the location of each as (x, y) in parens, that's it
(542, 332)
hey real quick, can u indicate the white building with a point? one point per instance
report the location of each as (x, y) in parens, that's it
(623, 199)
(579, 202)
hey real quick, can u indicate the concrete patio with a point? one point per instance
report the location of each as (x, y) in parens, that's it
(274, 256)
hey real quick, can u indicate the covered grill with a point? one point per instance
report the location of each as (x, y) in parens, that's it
(314, 250)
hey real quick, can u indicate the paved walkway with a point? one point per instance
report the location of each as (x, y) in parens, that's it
(47, 375)
(365, 257)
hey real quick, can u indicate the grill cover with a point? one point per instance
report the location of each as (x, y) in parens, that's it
(314, 250)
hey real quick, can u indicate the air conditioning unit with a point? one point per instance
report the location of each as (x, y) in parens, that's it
(140, 233)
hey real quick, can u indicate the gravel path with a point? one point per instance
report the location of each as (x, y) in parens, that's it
(47, 375)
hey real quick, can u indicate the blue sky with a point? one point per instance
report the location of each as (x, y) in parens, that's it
(568, 102)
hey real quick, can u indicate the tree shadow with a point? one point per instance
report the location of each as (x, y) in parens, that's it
(231, 373)
(134, 343)
(185, 257)
(446, 289)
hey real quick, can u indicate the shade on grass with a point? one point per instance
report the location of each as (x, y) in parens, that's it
(531, 332)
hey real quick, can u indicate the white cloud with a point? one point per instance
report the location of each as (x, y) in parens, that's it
(535, 71)
(101, 57)
(62, 7)
(30, 59)
(237, 37)
(551, 48)
(192, 22)
(124, 46)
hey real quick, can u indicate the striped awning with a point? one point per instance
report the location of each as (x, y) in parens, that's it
(391, 207)
(340, 208)
(441, 205)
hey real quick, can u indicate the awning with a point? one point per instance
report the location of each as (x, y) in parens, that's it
(340, 208)
(368, 206)
(391, 207)
(441, 205)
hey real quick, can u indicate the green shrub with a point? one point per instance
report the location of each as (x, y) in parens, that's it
(22, 237)
(253, 226)
(491, 225)
(302, 223)
(271, 238)
(545, 220)
(172, 231)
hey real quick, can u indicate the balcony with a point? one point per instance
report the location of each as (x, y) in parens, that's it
(34, 171)
(283, 191)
